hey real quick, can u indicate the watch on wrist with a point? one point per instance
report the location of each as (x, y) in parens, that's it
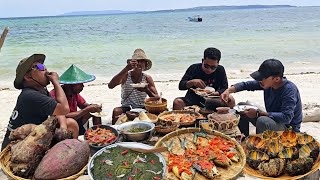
(257, 113)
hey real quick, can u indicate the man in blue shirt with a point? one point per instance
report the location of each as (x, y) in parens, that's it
(281, 97)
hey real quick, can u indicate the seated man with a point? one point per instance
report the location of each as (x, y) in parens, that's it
(208, 73)
(34, 103)
(132, 74)
(72, 80)
(281, 97)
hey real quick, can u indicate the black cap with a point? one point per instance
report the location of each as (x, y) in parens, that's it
(269, 67)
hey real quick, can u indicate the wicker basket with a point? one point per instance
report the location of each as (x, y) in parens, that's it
(5, 162)
(180, 112)
(155, 108)
(256, 173)
(225, 173)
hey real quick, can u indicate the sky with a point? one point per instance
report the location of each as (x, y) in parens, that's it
(25, 8)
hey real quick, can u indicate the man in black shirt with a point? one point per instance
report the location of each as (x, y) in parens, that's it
(34, 103)
(200, 75)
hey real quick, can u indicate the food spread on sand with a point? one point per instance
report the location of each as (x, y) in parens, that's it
(294, 154)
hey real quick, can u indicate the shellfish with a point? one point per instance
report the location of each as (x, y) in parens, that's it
(275, 167)
(273, 148)
(288, 138)
(254, 158)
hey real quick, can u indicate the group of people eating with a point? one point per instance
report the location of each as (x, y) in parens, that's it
(283, 108)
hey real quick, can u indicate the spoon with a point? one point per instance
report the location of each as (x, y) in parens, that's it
(160, 99)
(152, 150)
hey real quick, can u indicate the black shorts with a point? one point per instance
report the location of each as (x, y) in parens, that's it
(193, 101)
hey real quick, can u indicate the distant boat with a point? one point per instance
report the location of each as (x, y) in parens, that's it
(197, 18)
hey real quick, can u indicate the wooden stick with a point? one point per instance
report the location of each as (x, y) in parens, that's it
(3, 36)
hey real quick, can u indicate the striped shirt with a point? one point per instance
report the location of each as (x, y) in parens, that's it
(130, 95)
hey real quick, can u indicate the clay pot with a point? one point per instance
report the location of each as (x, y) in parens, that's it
(222, 110)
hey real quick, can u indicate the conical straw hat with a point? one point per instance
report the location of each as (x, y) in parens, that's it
(139, 54)
(74, 75)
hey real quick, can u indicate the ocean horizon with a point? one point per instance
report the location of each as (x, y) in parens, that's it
(100, 45)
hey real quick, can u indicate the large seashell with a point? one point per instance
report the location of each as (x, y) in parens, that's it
(309, 150)
(304, 139)
(268, 134)
(273, 168)
(288, 138)
(255, 142)
(299, 166)
(254, 158)
(291, 153)
(273, 148)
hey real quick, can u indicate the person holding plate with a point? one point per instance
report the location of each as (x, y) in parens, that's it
(135, 84)
(72, 80)
(201, 77)
(281, 97)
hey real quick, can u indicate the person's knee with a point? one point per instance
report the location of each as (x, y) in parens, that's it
(117, 111)
(263, 123)
(178, 103)
(72, 126)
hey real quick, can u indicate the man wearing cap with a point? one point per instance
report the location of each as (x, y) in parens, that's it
(72, 80)
(34, 103)
(133, 74)
(281, 97)
(201, 75)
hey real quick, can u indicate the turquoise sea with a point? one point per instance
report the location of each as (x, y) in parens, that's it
(101, 44)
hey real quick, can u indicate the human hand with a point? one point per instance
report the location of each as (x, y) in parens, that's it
(94, 108)
(132, 64)
(225, 96)
(250, 113)
(52, 76)
(198, 83)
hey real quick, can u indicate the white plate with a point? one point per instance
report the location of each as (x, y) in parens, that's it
(139, 85)
(99, 114)
(201, 92)
(128, 145)
(138, 110)
(241, 108)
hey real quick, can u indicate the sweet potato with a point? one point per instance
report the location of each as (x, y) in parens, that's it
(60, 135)
(64, 159)
(21, 132)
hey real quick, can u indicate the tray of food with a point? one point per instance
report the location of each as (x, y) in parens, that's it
(183, 117)
(295, 155)
(194, 154)
(100, 136)
(118, 161)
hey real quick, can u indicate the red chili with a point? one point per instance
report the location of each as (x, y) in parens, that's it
(152, 161)
(156, 178)
(130, 178)
(136, 171)
(109, 174)
(125, 152)
(125, 163)
(138, 161)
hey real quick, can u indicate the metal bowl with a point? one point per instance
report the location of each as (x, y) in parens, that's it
(136, 136)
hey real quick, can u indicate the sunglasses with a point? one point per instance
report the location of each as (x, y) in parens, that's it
(38, 66)
(207, 66)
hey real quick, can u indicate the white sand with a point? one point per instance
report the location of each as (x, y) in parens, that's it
(98, 92)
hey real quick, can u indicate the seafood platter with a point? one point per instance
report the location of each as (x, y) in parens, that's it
(195, 154)
(282, 154)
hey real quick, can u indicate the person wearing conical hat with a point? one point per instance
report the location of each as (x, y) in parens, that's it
(133, 73)
(34, 103)
(72, 80)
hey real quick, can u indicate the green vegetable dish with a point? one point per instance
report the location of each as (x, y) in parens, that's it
(137, 129)
(122, 163)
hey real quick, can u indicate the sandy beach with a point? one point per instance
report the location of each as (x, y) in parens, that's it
(98, 92)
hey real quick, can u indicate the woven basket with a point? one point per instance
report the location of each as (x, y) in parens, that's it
(180, 112)
(166, 130)
(225, 174)
(256, 173)
(5, 162)
(153, 107)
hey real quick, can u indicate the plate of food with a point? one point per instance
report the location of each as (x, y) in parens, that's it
(100, 136)
(99, 114)
(241, 108)
(204, 92)
(118, 161)
(194, 154)
(140, 85)
(183, 117)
